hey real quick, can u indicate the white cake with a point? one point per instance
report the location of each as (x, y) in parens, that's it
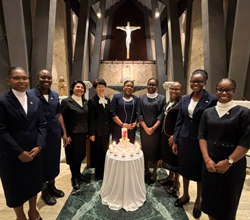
(124, 147)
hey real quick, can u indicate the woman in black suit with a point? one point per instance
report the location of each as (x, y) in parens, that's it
(22, 137)
(75, 115)
(169, 159)
(99, 130)
(186, 143)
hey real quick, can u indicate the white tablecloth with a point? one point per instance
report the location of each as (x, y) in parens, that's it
(123, 183)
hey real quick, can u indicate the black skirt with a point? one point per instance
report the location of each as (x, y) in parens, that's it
(190, 159)
(221, 192)
(169, 159)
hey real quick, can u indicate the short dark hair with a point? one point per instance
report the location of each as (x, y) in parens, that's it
(38, 72)
(156, 80)
(74, 84)
(202, 72)
(228, 79)
(179, 83)
(99, 81)
(13, 68)
(128, 80)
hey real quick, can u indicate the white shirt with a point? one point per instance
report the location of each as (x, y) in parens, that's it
(77, 99)
(46, 97)
(223, 108)
(152, 96)
(22, 98)
(191, 107)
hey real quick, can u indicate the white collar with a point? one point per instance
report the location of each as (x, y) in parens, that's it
(75, 97)
(127, 100)
(152, 96)
(223, 108)
(19, 94)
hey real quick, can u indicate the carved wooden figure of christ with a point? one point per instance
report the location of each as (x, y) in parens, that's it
(128, 29)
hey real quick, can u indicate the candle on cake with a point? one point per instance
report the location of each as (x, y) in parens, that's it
(131, 153)
(123, 153)
(137, 150)
(124, 133)
(115, 152)
(111, 149)
(114, 144)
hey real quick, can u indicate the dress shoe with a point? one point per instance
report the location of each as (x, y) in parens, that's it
(83, 178)
(55, 192)
(196, 213)
(179, 203)
(75, 184)
(173, 190)
(166, 182)
(47, 197)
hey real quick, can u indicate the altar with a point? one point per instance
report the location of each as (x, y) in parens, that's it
(123, 182)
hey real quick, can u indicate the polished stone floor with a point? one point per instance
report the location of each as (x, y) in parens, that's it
(63, 182)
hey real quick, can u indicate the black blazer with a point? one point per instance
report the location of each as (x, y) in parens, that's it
(170, 117)
(20, 132)
(186, 126)
(75, 117)
(99, 117)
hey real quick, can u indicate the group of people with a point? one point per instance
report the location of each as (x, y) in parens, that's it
(200, 136)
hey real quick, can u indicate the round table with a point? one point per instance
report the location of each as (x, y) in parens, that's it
(123, 183)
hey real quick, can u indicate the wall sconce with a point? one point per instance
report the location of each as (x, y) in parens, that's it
(157, 13)
(99, 14)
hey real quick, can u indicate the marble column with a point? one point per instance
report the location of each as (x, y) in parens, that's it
(95, 63)
(160, 65)
(240, 49)
(44, 28)
(81, 42)
(166, 86)
(148, 38)
(15, 32)
(213, 29)
(88, 85)
(175, 42)
(4, 55)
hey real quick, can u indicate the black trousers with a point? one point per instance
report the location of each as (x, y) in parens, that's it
(98, 152)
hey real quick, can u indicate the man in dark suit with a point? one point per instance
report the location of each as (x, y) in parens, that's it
(99, 131)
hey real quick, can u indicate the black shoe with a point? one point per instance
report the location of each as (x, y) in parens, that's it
(55, 192)
(82, 178)
(179, 203)
(75, 184)
(196, 213)
(166, 182)
(47, 197)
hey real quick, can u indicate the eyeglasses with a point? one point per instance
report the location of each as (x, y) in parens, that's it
(229, 90)
(173, 89)
(197, 81)
(152, 85)
(19, 78)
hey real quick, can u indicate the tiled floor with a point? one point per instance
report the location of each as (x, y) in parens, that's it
(63, 182)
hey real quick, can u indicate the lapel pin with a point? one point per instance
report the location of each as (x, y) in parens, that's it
(31, 103)
(207, 101)
(227, 113)
(51, 98)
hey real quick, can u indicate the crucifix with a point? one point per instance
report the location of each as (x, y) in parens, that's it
(128, 29)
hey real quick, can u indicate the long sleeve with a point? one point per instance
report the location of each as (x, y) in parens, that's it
(41, 127)
(91, 117)
(114, 106)
(178, 124)
(8, 146)
(203, 127)
(245, 128)
(162, 104)
(139, 110)
(65, 113)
